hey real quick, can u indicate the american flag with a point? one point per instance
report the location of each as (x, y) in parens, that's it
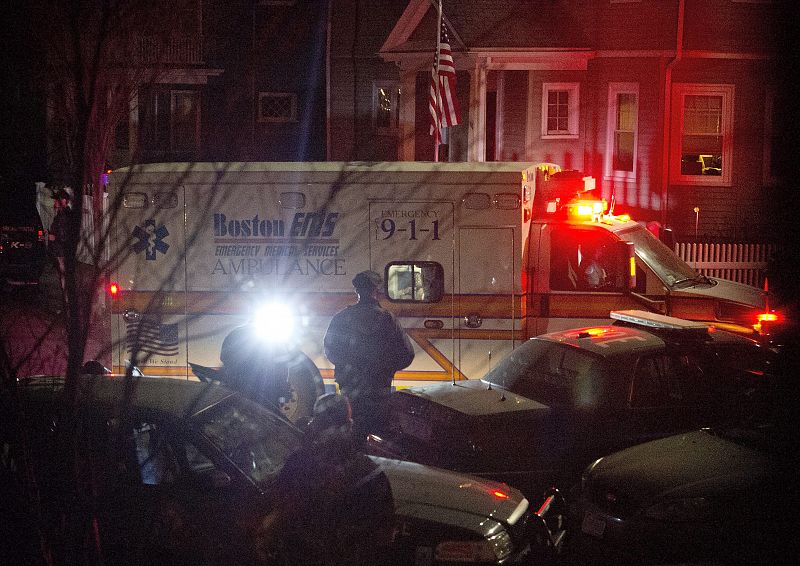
(443, 89)
(148, 336)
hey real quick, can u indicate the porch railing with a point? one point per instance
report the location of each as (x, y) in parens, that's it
(176, 50)
(743, 263)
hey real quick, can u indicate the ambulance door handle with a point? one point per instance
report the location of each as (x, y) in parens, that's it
(131, 315)
(473, 321)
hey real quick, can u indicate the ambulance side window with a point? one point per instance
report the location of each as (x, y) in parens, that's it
(584, 260)
(415, 282)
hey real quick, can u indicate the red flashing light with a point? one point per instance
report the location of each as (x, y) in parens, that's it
(587, 208)
(545, 505)
(595, 331)
(113, 289)
(500, 494)
(767, 317)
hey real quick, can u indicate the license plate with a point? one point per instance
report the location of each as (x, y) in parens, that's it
(413, 426)
(593, 524)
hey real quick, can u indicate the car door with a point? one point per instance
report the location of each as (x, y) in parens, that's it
(664, 396)
(176, 502)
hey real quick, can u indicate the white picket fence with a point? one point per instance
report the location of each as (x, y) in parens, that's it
(743, 263)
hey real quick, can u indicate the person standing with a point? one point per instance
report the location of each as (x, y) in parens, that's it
(334, 505)
(367, 346)
(57, 235)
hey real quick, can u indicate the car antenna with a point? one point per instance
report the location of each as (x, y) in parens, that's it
(490, 369)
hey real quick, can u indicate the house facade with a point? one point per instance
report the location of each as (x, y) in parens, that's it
(678, 108)
(237, 81)
(675, 107)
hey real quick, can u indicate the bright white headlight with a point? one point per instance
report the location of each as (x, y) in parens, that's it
(274, 322)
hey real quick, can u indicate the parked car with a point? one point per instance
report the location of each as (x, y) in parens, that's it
(716, 495)
(188, 476)
(22, 238)
(562, 399)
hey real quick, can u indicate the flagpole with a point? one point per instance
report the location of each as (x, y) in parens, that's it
(438, 86)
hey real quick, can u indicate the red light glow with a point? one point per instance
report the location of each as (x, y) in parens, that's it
(500, 494)
(113, 288)
(767, 317)
(595, 331)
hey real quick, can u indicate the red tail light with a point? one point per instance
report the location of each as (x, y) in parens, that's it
(113, 289)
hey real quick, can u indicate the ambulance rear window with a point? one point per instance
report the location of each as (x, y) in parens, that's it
(415, 282)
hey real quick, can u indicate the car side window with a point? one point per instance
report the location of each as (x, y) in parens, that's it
(584, 260)
(739, 370)
(154, 454)
(197, 462)
(648, 384)
(668, 379)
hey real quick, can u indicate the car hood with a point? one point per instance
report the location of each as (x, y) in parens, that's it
(728, 291)
(433, 494)
(686, 465)
(474, 397)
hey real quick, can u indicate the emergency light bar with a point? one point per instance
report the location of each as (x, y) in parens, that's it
(653, 320)
(587, 208)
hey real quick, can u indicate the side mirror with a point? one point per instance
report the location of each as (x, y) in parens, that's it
(667, 237)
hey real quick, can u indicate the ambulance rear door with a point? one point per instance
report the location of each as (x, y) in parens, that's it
(147, 250)
(488, 313)
(412, 245)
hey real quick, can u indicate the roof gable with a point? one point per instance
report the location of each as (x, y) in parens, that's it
(488, 25)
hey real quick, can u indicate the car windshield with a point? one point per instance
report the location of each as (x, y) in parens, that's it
(672, 270)
(762, 437)
(552, 374)
(257, 442)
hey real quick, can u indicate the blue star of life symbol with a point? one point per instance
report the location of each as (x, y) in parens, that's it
(150, 239)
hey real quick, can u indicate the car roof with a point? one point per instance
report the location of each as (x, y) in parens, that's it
(170, 396)
(607, 341)
(622, 338)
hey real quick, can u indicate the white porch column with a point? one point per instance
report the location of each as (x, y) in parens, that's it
(406, 126)
(476, 140)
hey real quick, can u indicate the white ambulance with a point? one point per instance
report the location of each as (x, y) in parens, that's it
(476, 257)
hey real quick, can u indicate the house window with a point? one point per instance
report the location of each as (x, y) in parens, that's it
(386, 106)
(170, 122)
(560, 110)
(185, 122)
(277, 107)
(702, 122)
(623, 120)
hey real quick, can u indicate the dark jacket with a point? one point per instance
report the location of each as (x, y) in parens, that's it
(367, 345)
(58, 231)
(335, 503)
